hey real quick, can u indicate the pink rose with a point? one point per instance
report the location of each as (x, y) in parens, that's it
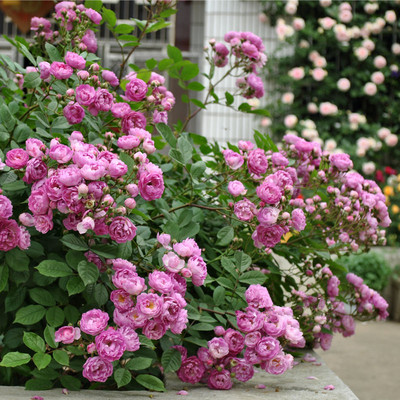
(136, 90)
(35, 147)
(269, 236)
(341, 161)
(233, 159)
(110, 345)
(110, 77)
(43, 223)
(129, 281)
(9, 234)
(220, 380)
(133, 119)
(122, 229)
(161, 282)
(38, 202)
(61, 153)
(269, 193)
(94, 321)
(131, 338)
(198, 268)
(85, 94)
(236, 188)
(67, 334)
(191, 370)
(17, 158)
(257, 162)
(93, 172)
(172, 262)
(75, 60)
(73, 113)
(90, 41)
(258, 296)
(245, 210)
(6, 208)
(117, 168)
(151, 183)
(93, 15)
(343, 84)
(118, 110)
(96, 369)
(60, 70)
(103, 100)
(218, 347)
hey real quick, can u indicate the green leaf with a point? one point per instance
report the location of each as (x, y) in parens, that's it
(202, 326)
(61, 357)
(29, 315)
(6, 118)
(88, 272)
(189, 72)
(105, 250)
(17, 260)
(109, 16)
(71, 314)
(101, 294)
(150, 382)
(74, 243)
(95, 4)
(229, 98)
(14, 300)
(14, 359)
(49, 335)
(38, 384)
(55, 316)
(139, 363)
(42, 296)
(41, 360)
(22, 132)
(122, 376)
(171, 360)
(197, 169)
(70, 382)
(24, 50)
(253, 277)
(225, 235)
(185, 149)
(174, 53)
(74, 257)
(125, 250)
(245, 107)
(151, 63)
(198, 103)
(196, 340)
(75, 285)
(166, 132)
(54, 269)
(124, 28)
(156, 26)
(34, 342)
(32, 80)
(165, 64)
(219, 295)
(53, 53)
(129, 161)
(243, 261)
(196, 86)
(3, 277)
(60, 123)
(225, 282)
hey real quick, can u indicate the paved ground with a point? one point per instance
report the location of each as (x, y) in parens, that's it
(369, 361)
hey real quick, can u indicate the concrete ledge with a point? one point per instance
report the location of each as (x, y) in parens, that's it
(293, 385)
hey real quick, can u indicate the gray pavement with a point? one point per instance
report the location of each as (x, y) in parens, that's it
(369, 361)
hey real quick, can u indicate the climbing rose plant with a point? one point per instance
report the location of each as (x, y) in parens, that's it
(120, 262)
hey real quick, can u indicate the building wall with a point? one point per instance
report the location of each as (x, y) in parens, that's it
(221, 16)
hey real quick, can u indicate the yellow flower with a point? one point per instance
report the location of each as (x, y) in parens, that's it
(395, 209)
(388, 190)
(286, 237)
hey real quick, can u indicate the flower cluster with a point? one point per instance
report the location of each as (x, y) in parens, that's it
(11, 234)
(322, 314)
(261, 327)
(247, 51)
(81, 183)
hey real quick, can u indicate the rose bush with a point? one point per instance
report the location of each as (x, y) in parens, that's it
(119, 261)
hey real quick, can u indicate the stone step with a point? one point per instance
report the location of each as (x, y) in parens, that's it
(293, 385)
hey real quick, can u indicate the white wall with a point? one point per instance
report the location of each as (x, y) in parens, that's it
(220, 123)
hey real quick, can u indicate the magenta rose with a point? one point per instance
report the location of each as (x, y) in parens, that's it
(122, 300)
(233, 159)
(17, 158)
(131, 338)
(117, 168)
(151, 182)
(198, 268)
(61, 153)
(236, 188)
(43, 223)
(75, 60)
(257, 296)
(94, 321)
(129, 281)
(96, 369)
(36, 169)
(6, 208)
(110, 77)
(269, 236)
(128, 142)
(131, 120)
(154, 329)
(191, 370)
(70, 176)
(24, 241)
(73, 113)
(103, 100)
(149, 304)
(90, 41)
(243, 371)
(93, 15)
(257, 162)
(269, 193)
(67, 334)
(60, 70)
(218, 347)
(220, 380)
(118, 110)
(110, 345)
(9, 234)
(245, 210)
(161, 282)
(122, 229)
(235, 341)
(38, 202)
(298, 219)
(267, 348)
(44, 68)
(136, 90)
(341, 161)
(85, 94)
